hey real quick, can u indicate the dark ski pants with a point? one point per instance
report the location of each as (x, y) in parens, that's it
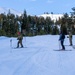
(70, 39)
(63, 47)
(19, 42)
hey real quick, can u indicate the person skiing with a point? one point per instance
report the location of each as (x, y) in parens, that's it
(70, 38)
(19, 38)
(61, 39)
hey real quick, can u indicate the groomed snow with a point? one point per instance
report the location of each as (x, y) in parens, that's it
(38, 58)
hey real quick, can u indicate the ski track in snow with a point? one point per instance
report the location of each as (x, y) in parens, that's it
(23, 63)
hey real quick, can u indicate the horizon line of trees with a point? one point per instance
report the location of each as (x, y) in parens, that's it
(32, 25)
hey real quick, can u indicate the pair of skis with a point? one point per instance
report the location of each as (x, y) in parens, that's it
(66, 49)
(19, 47)
(61, 49)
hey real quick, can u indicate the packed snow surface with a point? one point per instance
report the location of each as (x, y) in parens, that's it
(37, 57)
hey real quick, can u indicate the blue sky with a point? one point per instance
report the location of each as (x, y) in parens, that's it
(37, 7)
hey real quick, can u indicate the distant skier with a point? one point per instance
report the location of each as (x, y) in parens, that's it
(61, 39)
(70, 38)
(19, 38)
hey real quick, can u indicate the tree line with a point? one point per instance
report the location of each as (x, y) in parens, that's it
(34, 25)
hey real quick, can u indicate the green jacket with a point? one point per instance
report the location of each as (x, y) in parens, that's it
(20, 37)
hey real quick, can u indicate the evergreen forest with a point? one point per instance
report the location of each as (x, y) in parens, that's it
(29, 25)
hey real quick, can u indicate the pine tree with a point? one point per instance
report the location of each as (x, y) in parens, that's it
(24, 26)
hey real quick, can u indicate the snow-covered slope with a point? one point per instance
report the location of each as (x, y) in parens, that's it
(38, 58)
(52, 16)
(6, 10)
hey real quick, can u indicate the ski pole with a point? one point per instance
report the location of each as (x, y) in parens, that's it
(25, 37)
(25, 41)
(11, 43)
(59, 45)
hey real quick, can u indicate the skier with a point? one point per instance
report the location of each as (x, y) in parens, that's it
(19, 38)
(70, 38)
(61, 39)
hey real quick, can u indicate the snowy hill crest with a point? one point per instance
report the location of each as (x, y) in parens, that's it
(52, 16)
(15, 12)
(6, 10)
